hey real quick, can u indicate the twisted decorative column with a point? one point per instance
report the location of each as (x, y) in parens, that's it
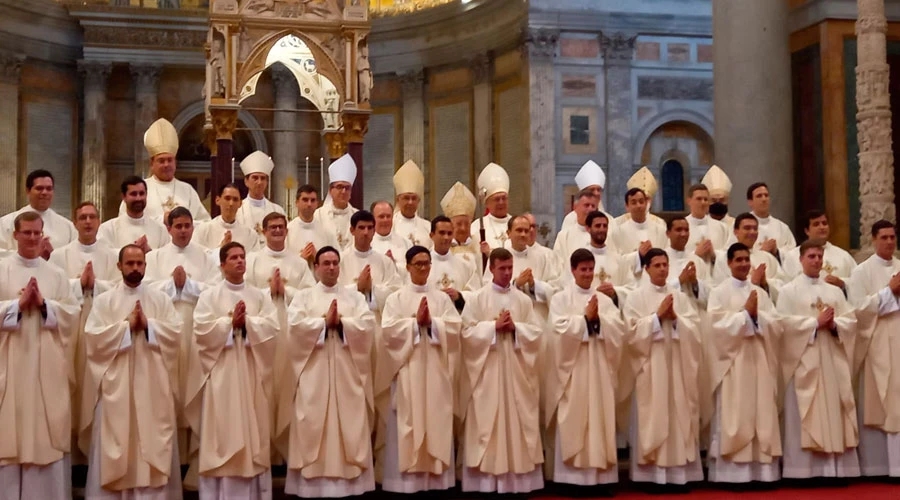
(873, 120)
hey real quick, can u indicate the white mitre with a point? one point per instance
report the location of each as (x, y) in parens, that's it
(257, 162)
(458, 201)
(590, 174)
(644, 180)
(342, 170)
(409, 179)
(717, 181)
(161, 138)
(492, 180)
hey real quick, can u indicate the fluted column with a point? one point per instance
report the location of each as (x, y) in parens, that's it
(482, 106)
(752, 100)
(541, 48)
(413, 94)
(873, 119)
(145, 78)
(618, 53)
(93, 173)
(284, 148)
(10, 69)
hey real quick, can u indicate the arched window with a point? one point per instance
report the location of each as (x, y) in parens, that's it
(672, 186)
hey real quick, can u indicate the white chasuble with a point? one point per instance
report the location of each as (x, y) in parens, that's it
(336, 221)
(124, 230)
(495, 229)
(211, 234)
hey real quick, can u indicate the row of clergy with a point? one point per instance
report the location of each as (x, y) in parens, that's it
(360, 381)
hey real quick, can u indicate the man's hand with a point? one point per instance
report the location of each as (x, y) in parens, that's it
(276, 284)
(666, 309)
(389, 254)
(592, 310)
(226, 239)
(607, 288)
(645, 247)
(332, 319)
(834, 280)
(142, 242)
(526, 277)
(423, 315)
(752, 304)
(688, 276)
(894, 284)
(239, 316)
(26, 299)
(137, 320)
(179, 276)
(705, 249)
(87, 276)
(46, 248)
(826, 319)
(309, 252)
(452, 292)
(769, 245)
(364, 282)
(504, 323)
(485, 248)
(758, 276)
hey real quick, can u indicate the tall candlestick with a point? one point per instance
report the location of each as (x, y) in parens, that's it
(322, 176)
(232, 169)
(307, 171)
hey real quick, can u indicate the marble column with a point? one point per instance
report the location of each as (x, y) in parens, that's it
(223, 120)
(413, 94)
(618, 53)
(482, 110)
(873, 119)
(93, 173)
(284, 147)
(145, 78)
(541, 49)
(752, 100)
(10, 70)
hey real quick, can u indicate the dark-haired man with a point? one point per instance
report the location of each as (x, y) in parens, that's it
(838, 264)
(372, 274)
(775, 236)
(257, 169)
(638, 233)
(225, 227)
(576, 236)
(58, 231)
(707, 234)
(450, 273)
(389, 242)
(306, 233)
(766, 272)
(326, 411)
(131, 226)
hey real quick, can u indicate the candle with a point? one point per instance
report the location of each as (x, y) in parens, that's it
(322, 176)
(307, 171)
(232, 169)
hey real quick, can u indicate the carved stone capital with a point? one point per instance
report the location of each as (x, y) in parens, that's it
(541, 43)
(356, 124)
(94, 73)
(412, 82)
(11, 66)
(481, 68)
(146, 77)
(224, 120)
(617, 47)
(337, 147)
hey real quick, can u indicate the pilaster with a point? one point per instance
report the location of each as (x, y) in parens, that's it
(93, 174)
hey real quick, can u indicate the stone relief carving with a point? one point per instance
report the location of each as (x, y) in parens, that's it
(225, 7)
(617, 46)
(217, 64)
(364, 72)
(412, 82)
(295, 9)
(112, 35)
(146, 76)
(542, 42)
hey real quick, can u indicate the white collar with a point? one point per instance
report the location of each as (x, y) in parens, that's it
(362, 254)
(883, 262)
(640, 225)
(740, 283)
(584, 291)
(261, 203)
(276, 253)
(29, 208)
(136, 221)
(35, 262)
(677, 253)
(133, 291)
(498, 220)
(155, 179)
(405, 218)
(523, 254)
(498, 288)
(419, 288)
(234, 287)
(86, 248)
(762, 220)
(227, 225)
(458, 244)
(389, 237)
(810, 281)
(598, 251)
(329, 289)
(661, 289)
(443, 258)
(701, 220)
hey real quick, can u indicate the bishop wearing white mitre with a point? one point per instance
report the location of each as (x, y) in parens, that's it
(719, 185)
(590, 176)
(493, 185)
(409, 189)
(336, 210)
(257, 169)
(164, 191)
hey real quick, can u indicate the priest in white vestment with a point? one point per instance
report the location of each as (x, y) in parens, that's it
(450, 273)
(230, 378)
(225, 227)
(874, 287)
(58, 230)
(766, 272)
(581, 366)
(387, 241)
(458, 204)
(39, 314)
(324, 425)
(707, 234)
(744, 342)
(661, 376)
(775, 236)
(420, 331)
(493, 189)
(838, 264)
(128, 415)
(164, 191)
(817, 366)
(306, 233)
(577, 236)
(257, 169)
(614, 274)
(644, 180)
(182, 270)
(719, 185)
(335, 212)
(638, 233)
(537, 247)
(499, 397)
(591, 177)
(362, 268)
(687, 269)
(132, 226)
(409, 189)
